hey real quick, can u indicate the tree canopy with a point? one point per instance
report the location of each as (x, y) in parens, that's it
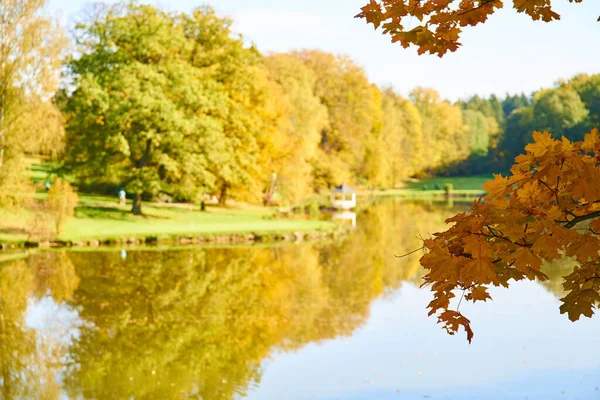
(158, 106)
(31, 50)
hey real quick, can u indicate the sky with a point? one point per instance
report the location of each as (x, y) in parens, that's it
(508, 54)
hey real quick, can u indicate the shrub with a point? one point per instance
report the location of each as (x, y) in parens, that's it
(61, 202)
(448, 188)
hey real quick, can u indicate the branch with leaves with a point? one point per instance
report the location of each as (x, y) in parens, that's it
(441, 22)
(547, 208)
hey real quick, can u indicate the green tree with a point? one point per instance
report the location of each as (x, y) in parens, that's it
(511, 103)
(243, 84)
(559, 111)
(164, 103)
(478, 134)
(517, 133)
(588, 88)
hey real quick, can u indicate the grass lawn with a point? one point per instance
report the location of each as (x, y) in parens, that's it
(463, 186)
(100, 217)
(459, 182)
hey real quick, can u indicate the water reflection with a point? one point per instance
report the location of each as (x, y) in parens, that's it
(209, 323)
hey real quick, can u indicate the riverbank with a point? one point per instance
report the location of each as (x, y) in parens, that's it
(99, 220)
(462, 187)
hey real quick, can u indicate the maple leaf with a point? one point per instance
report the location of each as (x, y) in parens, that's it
(480, 270)
(496, 187)
(453, 320)
(524, 259)
(578, 303)
(542, 142)
(478, 293)
(585, 248)
(595, 225)
(547, 246)
(591, 141)
(477, 246)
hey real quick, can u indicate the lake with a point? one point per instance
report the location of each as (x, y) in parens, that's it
(337, 320)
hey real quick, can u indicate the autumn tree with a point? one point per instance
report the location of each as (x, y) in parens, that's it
(61, 203)
(163, 104)
(444, 131)
(545, 209)
(31, 49)
(243, 89)
(402, 134)
(295, 134)
(353, 123)
(478, 133)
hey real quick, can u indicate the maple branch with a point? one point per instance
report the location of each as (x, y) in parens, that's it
(555, 191)
(483, 4)
(411, 252)
(581, 218)
(461, 298)
(493, 235)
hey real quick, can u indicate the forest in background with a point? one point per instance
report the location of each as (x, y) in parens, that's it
(173, 106)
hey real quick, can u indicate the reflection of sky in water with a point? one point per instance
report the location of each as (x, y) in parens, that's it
(54, 322)
(56, 326)
(523, 348)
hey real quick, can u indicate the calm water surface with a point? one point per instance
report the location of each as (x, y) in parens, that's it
(340, 320)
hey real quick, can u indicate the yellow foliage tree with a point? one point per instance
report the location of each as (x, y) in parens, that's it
(61, 203)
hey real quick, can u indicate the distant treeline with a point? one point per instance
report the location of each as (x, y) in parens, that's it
(175, 106)
(571, 108)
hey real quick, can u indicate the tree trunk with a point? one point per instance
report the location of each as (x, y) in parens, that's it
(2, 129)
(223, 196)
(137, 204)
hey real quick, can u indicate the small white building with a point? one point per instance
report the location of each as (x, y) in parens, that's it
(343, 197)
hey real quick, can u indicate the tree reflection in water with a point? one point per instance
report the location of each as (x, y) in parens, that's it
(194, 322)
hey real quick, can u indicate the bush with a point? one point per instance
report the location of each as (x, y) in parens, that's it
(448, 188)
(61, 203)
(313, 209)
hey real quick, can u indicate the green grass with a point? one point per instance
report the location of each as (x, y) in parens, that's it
(465, 187)
(459, 183)
(101, 218)
(40, 171)
(104, 221)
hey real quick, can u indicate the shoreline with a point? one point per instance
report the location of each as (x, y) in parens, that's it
(196, 239)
